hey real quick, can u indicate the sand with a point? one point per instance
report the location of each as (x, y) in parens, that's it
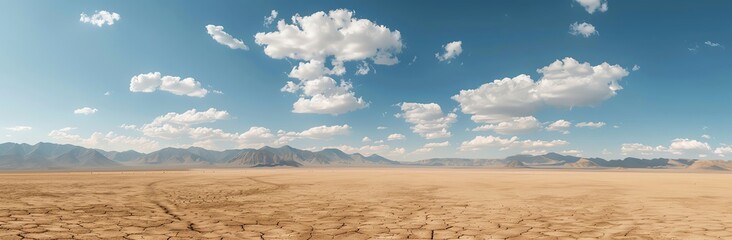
(367, 203)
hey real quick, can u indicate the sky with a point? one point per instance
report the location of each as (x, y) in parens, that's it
(469, 79)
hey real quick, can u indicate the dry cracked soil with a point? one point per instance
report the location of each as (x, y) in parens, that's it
(368, 203)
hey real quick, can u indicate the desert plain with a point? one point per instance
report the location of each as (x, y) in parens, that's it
(366, 203)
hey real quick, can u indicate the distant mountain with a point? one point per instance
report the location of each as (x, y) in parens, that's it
(52, 156)
(515, 164)
(717, 165)
(460, 162)
(125, 156)
(171, 156)
(14, 156)
(289, 156)
(582, 163)
(555, 160)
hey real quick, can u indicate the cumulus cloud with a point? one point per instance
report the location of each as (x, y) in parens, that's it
(431, 146)
(500, 100)
(268, 20)
(363, 68)
(396, 136)
(713, 44)
(427, 119)
(218, 34)
(706, 136)
(590, 124)
(319, 132)
(593, 5)
(482, 142)
(381, 128)
(184, 126)
(565, 83)
(678, 146)
(723, 150)
(366, 139)
(128, 126)
(560, 125)
(108, 141)
(150, 82)
(584, 29)
(437, 144)
(191, 117)
(19, 128)
(451, 51)
(572, 152)
(514, 126)
(99, 18)
(568, 83)
(636, 67)
(336, 36)
(86, 111)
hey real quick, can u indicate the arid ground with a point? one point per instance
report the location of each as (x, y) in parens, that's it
(367, 203)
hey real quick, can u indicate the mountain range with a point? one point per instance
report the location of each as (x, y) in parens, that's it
(50, 156)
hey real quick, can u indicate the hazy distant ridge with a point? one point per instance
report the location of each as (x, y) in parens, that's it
(48, 156)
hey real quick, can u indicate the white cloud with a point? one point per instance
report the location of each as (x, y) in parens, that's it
(721, 151)
(500, 100)
(568, 83)
(319, 132)
(515, 126)
(181, 126)
(706, 136)
(107, 93)
(678, 146)
(427, 119)
(363, 68)
(593, 5)
(335, 35)
(128, 126)
(395, 136)
(481, 142)
(333, 104)
(108, 141)
(606, 152)
(422, 150)
(19, 128)
(590, 124)
(560, 125)
(150, 82)
(541, 143)
(268, 20)
(86, 111)
(218, 34)
(535, 152)
(452, 50)
(584, 29)
(366, 139)
(381, 128)
(99, 18)
(572, 152)
(437, 144)
(681, 145)
(713, 44)
(191, 117)
(636, 67)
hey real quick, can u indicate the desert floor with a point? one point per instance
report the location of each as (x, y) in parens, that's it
(366, 203)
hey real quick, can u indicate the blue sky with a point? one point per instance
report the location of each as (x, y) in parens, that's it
(670, 59)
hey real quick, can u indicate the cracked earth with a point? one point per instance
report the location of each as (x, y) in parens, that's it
(366, 204)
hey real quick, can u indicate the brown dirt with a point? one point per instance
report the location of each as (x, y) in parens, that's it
(366, 204)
